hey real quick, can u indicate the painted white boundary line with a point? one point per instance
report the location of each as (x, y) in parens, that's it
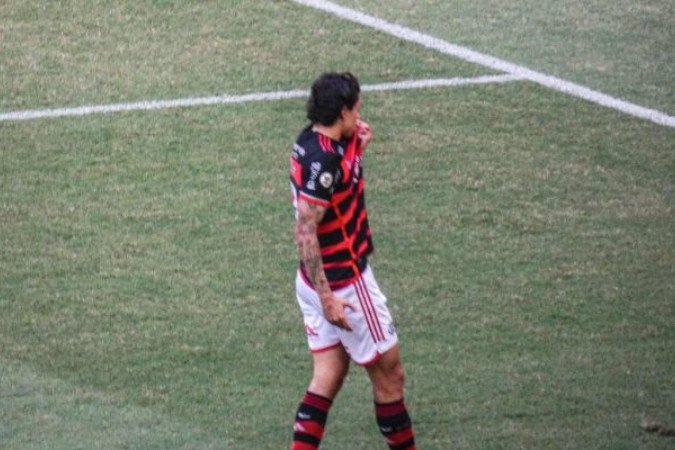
(224, 99)
(441, 82)
(491, 62)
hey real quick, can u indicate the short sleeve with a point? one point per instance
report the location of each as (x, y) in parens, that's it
(315, 176)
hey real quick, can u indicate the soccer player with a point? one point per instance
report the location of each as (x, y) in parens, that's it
(345, 313)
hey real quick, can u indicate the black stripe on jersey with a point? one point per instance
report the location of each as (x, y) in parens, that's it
(337, 274)
(341, 255)
(331, 238)
(346, 272)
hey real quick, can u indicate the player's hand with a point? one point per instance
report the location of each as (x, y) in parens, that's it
(334, 310)
(365, 133)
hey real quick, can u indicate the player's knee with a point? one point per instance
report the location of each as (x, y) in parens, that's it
(389, 386)
(327, 381)
(393, 370)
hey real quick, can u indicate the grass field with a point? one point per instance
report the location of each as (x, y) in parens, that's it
(525, 237)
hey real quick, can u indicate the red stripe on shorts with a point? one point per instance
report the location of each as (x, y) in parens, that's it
(379, 325)
(369, 310)
(364, 308)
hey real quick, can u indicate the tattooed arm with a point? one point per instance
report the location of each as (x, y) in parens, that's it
(309, 217)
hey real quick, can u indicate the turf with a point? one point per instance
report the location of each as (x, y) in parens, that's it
(622, 48)
(525, 240)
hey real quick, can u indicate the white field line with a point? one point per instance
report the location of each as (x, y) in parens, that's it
(254, 97)
(491, 62)
(441, 82)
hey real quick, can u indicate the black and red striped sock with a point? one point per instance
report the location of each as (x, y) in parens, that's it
(395, 425)
(310, 421)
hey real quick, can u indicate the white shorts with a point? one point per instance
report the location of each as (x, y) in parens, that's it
(373, 331)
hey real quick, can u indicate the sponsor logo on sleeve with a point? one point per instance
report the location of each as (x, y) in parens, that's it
(314, 169)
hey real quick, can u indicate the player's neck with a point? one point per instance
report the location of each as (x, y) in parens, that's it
(333, 131)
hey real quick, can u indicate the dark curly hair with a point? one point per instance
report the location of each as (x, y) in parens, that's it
(330, 93)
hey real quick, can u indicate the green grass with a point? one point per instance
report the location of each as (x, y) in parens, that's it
(525, 240)
(43, 412)
(55, 55)
(622, 48)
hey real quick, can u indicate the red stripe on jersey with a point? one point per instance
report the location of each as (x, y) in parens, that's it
(359, 224)
(354, 205)
(348, 159)
(345, 218)
(347, 238)
(296, 171)
(326, 143)
(340, 196)
(340, 221)
(364, 247)
(348, 242)
(342, 245)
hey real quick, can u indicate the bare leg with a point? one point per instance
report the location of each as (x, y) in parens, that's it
(387, 377)
(330, 369)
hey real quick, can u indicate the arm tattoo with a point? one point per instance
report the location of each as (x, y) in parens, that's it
(309, 217)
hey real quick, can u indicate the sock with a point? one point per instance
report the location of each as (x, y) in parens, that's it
(395, 425)
(310, 421)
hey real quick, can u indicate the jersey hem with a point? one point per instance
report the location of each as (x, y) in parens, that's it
(362, 265)
(314, 200)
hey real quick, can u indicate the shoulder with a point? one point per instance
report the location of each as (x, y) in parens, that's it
(312, 147)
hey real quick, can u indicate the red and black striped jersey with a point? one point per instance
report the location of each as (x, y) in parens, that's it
(329, 173)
